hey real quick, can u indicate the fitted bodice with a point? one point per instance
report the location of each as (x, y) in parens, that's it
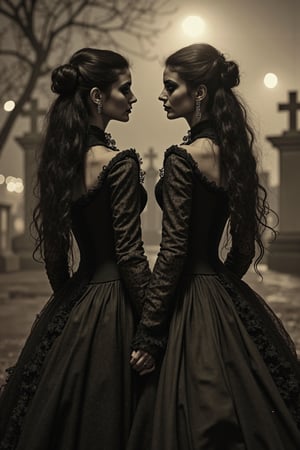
(195, 211)
(92, 222)
(208, 217)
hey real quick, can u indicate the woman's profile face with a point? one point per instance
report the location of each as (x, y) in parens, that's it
(117, 103)
(178, 100)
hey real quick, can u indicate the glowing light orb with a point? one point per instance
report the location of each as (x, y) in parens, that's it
(10, 179)
(193, 26)
(270, 80)
(2, 179)
(14, 184)
(11, 186)
(9, 105)
(19, 187)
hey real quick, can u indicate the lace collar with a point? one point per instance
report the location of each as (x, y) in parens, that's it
(97, 136)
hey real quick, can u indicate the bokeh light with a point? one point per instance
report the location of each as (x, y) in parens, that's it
(270, 80)
(10, 186)
(19, 187)
(9, 105)
(193, 26)
(14, 184)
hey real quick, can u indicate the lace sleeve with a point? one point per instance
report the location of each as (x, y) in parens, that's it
(241, 253)
(124, 185)
(177, 192)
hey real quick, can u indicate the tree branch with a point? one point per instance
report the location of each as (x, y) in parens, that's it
(17, 55)
(6, 14)
(39, 36)
(79, 9)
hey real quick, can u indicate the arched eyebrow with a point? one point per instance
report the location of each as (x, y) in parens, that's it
(169, 82)
(125, 84)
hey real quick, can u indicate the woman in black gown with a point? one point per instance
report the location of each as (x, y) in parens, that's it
(72, 387)
(230, 377)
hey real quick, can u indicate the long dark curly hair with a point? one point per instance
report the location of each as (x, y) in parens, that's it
(200, 64)
(61, 158)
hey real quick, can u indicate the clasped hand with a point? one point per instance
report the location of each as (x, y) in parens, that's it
(142, 362)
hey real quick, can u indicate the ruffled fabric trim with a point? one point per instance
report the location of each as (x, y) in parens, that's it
(90, 194)
(31, 371)
(285, 374)
(210, 184)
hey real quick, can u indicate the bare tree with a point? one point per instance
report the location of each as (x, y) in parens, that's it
(35, 36)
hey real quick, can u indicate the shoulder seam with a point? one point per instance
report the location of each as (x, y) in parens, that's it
(85, 198)
(174, 149)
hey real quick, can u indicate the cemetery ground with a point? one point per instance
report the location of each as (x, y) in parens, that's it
(23, 294)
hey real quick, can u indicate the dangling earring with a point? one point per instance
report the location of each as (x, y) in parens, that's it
(198, 108)
(99, 105)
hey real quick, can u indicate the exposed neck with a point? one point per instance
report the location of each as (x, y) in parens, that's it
(193, 120)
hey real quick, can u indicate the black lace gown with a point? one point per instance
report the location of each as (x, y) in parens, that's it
(72, 387)
(230, 377)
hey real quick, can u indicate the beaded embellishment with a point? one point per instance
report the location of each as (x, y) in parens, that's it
(110, 141)
(187, 138)
(142, 172)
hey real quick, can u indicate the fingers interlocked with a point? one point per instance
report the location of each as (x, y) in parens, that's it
(142, 362)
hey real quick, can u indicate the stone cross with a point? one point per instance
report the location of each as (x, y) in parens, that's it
(151, 155)
(292, 107)
(33, 113)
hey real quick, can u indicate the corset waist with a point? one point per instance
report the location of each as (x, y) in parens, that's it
(106, 271)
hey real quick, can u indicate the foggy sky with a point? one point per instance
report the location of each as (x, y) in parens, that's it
(261, 35)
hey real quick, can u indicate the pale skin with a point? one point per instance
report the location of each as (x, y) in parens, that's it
(116, 105)
(179, 102)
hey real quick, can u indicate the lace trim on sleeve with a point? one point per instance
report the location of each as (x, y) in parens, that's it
(125, 198)
(91, 192)
(177, 190)
(210, 184)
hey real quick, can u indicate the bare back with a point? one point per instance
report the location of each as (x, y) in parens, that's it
(206, 155)
(97, 157)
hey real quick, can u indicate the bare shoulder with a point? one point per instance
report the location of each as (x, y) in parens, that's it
(202, 148)
(99, 155)
(97, 158)
(206, 154)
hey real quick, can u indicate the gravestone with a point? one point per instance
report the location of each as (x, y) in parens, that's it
(23, 245)
(284, 253)
(9, 262)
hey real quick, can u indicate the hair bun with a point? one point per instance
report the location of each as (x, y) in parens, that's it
(64, 79)
(230, 75)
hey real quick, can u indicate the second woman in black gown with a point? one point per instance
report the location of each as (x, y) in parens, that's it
(230, 377)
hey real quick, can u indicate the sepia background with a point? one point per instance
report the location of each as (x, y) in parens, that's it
(263, 36)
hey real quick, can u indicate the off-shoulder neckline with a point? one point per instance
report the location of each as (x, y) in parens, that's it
(194, 165)
(85, 198)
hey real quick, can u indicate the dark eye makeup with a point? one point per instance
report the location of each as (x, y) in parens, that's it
(125, 88)
(170, 85)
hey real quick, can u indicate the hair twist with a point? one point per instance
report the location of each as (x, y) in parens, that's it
(229, 73)
(64, 79)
